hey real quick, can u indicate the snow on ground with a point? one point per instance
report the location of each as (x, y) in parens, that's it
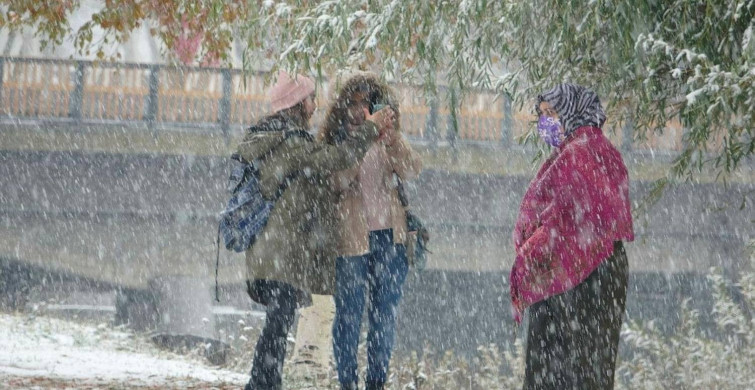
(43, 352)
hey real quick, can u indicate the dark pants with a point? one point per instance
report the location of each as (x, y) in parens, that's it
(573, 337)
(381, 273)
(281, 300)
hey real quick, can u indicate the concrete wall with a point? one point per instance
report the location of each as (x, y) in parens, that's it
(122, 206)
(126, 217)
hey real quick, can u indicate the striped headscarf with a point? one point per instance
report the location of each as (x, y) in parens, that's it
(576, 106)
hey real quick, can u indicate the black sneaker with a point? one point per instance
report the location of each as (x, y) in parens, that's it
(374, 386)
(349, 386)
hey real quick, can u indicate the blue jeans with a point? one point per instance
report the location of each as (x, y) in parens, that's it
(381, 272)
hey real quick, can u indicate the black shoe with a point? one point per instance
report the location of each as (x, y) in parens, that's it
(349, 386)
(374, 385)
(249, 386)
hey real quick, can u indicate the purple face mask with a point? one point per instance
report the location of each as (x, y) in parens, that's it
(548, 128)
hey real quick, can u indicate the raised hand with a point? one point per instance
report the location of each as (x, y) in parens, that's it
(384, 119)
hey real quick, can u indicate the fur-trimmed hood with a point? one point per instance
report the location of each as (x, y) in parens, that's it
(344, 86)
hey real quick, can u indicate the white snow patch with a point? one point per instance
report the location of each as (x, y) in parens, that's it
(692, 96)
(53, 348)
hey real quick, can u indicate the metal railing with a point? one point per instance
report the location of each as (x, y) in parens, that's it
(226, 98)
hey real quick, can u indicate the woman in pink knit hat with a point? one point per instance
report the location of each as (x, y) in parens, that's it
(293, 255)
(571, 267)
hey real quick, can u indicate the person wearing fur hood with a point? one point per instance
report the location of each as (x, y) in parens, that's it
(371, 230)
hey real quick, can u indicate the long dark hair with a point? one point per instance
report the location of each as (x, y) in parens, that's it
(332, 130)
(336, 117)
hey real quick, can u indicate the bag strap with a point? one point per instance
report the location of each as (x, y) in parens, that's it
(217, 265)
(286, 180)
(402, 197)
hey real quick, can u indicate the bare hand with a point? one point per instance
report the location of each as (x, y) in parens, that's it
(384, 119)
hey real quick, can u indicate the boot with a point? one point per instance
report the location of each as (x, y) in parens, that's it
(349, 386)
(374, 385)
(249, 386)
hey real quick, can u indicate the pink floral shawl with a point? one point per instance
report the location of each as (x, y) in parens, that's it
(573, 211)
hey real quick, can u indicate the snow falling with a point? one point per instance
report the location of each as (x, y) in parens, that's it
(114, 272)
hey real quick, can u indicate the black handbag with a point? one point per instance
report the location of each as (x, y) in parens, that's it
(416, 246)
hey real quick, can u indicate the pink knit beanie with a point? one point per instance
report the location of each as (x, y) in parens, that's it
(287, 92)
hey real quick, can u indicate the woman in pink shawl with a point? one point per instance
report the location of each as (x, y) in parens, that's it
(570, 267)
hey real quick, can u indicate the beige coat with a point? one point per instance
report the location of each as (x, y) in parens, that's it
(297, 244)
(353, 231)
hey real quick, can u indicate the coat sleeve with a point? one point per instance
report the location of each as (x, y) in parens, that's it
(315, 158)
(403, 159)
(327, 159)
(255, 145)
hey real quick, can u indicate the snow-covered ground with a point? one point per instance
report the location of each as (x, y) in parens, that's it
(44, 352)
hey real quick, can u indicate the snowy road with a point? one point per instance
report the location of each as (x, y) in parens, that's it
(42, 352)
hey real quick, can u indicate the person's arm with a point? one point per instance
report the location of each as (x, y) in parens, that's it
(332, 158)
(571, 200)
(542, 242)
(254, 143)
(314, 158)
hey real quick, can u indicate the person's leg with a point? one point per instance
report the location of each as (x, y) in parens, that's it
(267, 367)
(387, 273)
(573, 337)
(538, 340)
(598, 305)
(582, 344)
(610, 307)
(351, 275)
(547, 350)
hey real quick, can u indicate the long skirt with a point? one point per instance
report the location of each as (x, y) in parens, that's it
(573, 337)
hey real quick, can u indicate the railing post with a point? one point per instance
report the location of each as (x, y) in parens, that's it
(431, 123)
(507, 121)
(626, 134)
(453, 120)
(77, 95)
(452, 135)
(224, 109)
(151, 105)
(2, 77)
